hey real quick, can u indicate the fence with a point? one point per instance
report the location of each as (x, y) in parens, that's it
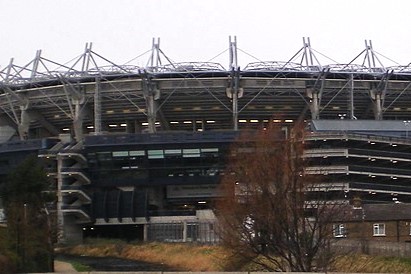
(394, 249)
(200, 232)
(207, 233)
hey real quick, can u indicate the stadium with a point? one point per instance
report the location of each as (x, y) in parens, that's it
(138, 151)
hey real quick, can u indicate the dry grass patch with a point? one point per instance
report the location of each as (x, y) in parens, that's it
(191, 257)
(184, 257)
(180, 256)
(368, 264)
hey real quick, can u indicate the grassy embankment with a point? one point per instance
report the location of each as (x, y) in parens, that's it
(187, 257)
(177, 256)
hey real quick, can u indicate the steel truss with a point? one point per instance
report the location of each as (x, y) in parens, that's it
(91, 92)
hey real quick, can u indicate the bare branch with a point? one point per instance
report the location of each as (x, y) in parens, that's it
(274, 215)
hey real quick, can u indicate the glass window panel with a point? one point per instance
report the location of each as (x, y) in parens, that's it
(155, 154)
(212, 149)
(339, 230)
(379, 230)
(172, 152)
(209, 152)
(120, 153)
(104, 156)
(137, 153)
(192, 152)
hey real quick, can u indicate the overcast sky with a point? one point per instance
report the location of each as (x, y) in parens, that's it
(198, 30)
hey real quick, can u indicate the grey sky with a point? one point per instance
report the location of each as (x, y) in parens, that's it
(199, 30)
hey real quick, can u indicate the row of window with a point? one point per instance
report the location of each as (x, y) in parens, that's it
(158, 153)
(340, 230)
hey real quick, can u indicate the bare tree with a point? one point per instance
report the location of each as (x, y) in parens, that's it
(273, 214)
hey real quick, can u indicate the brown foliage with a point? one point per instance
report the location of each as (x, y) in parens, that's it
(268, 217)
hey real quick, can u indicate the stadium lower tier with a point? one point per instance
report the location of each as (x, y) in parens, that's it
(162, 186)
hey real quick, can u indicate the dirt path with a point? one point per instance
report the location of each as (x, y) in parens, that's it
(107, 264)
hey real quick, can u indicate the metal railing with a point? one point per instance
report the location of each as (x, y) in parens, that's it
(199, 232)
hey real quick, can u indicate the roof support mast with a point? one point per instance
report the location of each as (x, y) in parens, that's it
(97, 108)
(314, 91)
(86, 58)
(351, 98)
(233, 90)
(377, 93)
(36, 62)
(155, 60)
(370, 55)
(308, 52)
(150, 90)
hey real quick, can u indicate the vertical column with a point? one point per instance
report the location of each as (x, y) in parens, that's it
(234, 98)
(184, 231)
(60, 216)
(145, 232)
(24, 124)
(315, 89)
(97, 108)
(36, 62)
(377, 100)
(78, 120)
(155, 61)
(151, 93)
(233, 91)
(314, 103)
(351, 98)
(315, 107)
(130, 126)
(86, 57)
(151, 114)
(378, 107)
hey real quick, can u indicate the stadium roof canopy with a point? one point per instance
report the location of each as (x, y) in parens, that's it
(200, 95)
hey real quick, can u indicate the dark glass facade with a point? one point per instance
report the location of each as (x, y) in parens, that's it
(139, 176)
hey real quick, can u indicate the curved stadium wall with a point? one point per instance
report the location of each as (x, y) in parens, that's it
(138, 152)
